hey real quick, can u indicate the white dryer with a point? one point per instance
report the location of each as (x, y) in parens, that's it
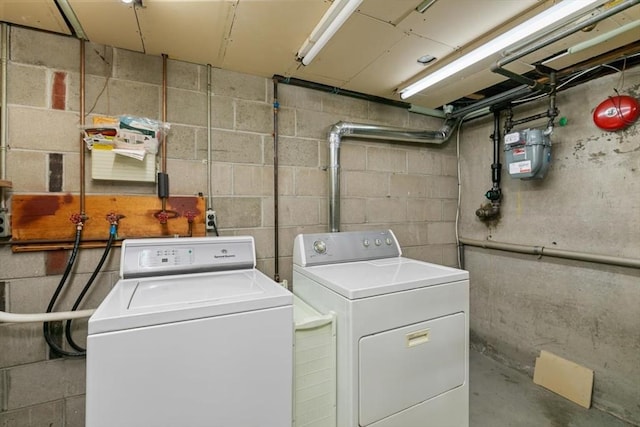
(402, 329)
(192, 335)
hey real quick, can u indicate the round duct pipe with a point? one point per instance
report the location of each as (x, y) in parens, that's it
(368, 131)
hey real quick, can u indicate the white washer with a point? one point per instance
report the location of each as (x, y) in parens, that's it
(402, 329)
(192, 335)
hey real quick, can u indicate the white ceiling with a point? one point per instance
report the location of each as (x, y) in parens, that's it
(375, 52)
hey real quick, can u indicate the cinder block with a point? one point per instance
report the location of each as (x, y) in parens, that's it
(424, 122)
(299, 211)
(386, 210)
(420, 210)
(39, 129)
(294, 152)
(252, 180)
(444, 187)
(441, 232)
(263, 237)
(386, 114)
(221, 179)
(222, 113)
(311, 182)
(186, 75)
(19, 265)
(74, 411)
(411, 233)
(349, 108)
(137, 67)
(233, 147)
(424, 162)
(386, 159)
(186, 107)
(3, 391)
(238, 212)
(450, 255)
(365, 184)
(352, 156)
(412, 186)
(98, 59)
(27, 170)
(286, 122)
(28, 85)
(31, 295)
(299, 98)
(314, 124)
(49, 414)
(97, 98)
(134, 97)
(254, 117)
(181, 142)
(238, 85)
(449, 209)
(45, 381)
(21, 343)
(449, 166)
(353, 210)
(38, 47)
(286, 184)
(187, 177)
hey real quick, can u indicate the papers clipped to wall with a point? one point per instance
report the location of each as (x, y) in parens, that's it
(124, 148)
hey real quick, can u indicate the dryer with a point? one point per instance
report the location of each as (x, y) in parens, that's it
(402, 329)
(192, 335)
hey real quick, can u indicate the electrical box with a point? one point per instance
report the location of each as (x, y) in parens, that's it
(528, 153)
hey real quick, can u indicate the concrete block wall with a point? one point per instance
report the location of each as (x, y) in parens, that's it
(588, 202)
(409, 188)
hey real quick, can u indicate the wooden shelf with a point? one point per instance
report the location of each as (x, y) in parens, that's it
(5, 184)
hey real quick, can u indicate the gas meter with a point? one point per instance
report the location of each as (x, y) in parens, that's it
(528, 153)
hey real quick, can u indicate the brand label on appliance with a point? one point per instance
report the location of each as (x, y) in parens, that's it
(512, 138)
(520, 167)
(519, 151)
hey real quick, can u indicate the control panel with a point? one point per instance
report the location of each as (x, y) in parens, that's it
(329, 248)
(157, 257)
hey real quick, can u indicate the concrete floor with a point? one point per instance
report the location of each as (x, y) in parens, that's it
(503, 397)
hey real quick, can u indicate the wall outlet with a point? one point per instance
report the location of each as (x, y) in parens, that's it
(5, 224)
(210, 220)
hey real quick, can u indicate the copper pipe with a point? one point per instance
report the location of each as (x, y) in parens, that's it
(163, 151)
(276, 275)
(82, 154)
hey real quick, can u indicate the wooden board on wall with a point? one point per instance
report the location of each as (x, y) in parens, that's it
(44, 221)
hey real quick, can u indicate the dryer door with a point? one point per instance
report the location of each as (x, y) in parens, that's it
(406, 366)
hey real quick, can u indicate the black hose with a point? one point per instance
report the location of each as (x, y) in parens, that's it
(87, 286)
(46, 327)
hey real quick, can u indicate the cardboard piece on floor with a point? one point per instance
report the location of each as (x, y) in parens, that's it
(566, 378)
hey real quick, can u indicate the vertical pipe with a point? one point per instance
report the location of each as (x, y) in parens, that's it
(164, 119)
(334, 181)
(496, 167)
(276, 106)
(82, 146)
(209, 166)
(3, 118)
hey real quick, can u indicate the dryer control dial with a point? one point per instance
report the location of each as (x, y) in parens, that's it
(320, 246)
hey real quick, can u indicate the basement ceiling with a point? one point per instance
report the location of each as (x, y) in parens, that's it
(375, 52)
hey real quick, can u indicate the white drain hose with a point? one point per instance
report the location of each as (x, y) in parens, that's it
(43, 317)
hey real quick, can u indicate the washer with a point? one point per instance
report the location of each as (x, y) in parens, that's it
(192, 335)
(402, 329)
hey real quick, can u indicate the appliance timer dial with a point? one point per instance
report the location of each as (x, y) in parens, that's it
(319, 246)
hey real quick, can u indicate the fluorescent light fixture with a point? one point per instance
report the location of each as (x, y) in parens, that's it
(68, 12)
(540, 22)
(426, 4)
(336, 15)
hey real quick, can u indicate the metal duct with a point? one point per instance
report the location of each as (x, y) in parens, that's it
(386, 133)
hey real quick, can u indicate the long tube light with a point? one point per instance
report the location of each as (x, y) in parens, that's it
(330, 23)
(540, 22)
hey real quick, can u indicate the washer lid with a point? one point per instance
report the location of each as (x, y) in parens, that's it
(134, 303)
(362, 279)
